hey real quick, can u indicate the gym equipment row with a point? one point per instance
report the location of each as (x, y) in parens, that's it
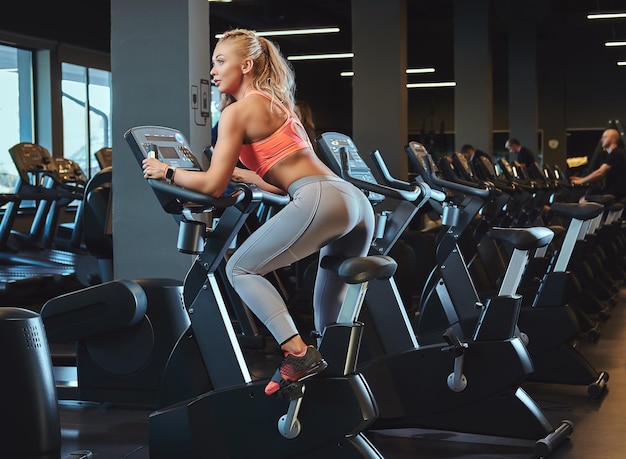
(188, 363)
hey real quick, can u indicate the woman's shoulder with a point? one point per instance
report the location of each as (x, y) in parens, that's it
(242, 106)
(259, 104)
(237, 112)
(245, 111)
(251, 100)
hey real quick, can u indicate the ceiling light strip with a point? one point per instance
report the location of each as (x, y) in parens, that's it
(349, 73)
(421, 70)
(621, 63)
(606, 16)
(274, 33)
(435, 84)
(615, 43)
(309, 57)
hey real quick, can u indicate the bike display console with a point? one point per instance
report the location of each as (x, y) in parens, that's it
(168, 144)
(331, 145)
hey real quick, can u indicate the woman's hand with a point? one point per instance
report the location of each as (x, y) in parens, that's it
(153, 168)
(241, 175)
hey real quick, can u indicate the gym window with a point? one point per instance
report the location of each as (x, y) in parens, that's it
(86, 114)
(74, 122)
(16, 108)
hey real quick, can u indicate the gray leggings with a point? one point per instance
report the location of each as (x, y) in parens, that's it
(326, 214)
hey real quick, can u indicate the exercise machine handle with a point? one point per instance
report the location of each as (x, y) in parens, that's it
(403, 195)
(381, 166)
(471, 190)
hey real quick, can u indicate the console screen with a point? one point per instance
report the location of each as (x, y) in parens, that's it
(168, 152)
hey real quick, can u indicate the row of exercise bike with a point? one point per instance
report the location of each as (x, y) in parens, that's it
(504, 302)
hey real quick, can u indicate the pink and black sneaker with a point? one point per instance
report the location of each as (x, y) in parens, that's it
(296, 368)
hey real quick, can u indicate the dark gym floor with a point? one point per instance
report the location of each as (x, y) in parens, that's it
(110, 432)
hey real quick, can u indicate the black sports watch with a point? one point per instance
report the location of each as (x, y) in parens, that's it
(169, 174)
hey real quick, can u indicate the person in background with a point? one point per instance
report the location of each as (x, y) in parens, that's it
(524, 157)
(472, 154)
(612, 170)
(325, 214)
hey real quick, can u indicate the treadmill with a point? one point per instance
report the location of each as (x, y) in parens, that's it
(27, 267)
(104, 156)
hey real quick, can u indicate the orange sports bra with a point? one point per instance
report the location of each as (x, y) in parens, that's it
(261, 155)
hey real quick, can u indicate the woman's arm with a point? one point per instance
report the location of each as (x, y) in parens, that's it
(248, 176)
(217, 177)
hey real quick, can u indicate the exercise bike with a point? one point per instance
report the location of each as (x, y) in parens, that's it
(324, 416)
(548, 327)
(443, 384)
(206, 397)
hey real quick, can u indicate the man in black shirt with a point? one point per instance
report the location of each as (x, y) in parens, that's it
(525, 157)
(472, 154)
(612, 170)
(473, 157)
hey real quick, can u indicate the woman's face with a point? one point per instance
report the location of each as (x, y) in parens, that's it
(226, 70)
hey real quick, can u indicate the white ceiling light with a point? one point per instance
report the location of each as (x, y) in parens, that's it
(308, 57)
(417, 70)
(274, 33)
(435, 84)
(421, 70)
(621, 63)
(615, 43)
(606, 16)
